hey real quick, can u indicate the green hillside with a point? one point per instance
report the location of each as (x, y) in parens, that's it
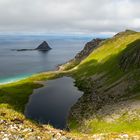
(110, 79)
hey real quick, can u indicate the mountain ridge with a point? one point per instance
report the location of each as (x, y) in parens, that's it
(88, 48)
(105, 82)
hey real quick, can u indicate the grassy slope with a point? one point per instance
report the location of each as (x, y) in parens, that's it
(108, 78)
(105, 58)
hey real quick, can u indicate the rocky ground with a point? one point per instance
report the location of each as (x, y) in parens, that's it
(17, 127)
(14, 126)
(17, 130)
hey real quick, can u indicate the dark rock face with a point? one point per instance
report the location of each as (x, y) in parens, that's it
(43, 47)
(24, 50)
(89, 47)
(126, 32)
(131, 56)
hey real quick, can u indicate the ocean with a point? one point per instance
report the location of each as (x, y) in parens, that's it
(16, 65)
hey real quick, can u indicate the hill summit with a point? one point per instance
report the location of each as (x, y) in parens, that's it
(43, 46)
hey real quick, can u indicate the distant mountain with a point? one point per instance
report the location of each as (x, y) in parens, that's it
(43, 46)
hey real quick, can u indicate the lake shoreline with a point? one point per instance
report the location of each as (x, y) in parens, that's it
(53, 89)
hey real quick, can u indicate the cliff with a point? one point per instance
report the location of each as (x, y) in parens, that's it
(88, 48)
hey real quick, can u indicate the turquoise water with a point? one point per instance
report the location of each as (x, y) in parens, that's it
(14, 79)
(18, 65)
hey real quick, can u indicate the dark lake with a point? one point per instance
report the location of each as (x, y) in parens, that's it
(51, 103)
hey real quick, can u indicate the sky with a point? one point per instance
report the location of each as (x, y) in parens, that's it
(69, 16)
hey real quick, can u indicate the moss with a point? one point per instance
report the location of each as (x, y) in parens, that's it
(96, 126)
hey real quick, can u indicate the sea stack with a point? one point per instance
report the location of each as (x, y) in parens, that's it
(43, 46)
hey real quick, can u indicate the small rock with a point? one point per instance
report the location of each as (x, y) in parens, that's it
(54, 139)
(3, 121)
(32, 138)
(135, 138)
(28, 130)
(58, 135)
(38, 137)
(5, 139)
(3, 114)
(2, 132)
(64, 138)
(5, 135)
(124, 136)
(17, 121)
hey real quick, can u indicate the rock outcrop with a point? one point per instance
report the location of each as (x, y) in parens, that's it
(126, 32)
(131, 56)
(89, 47)
(43, 47)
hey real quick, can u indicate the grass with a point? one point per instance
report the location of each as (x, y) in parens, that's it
(96, 126)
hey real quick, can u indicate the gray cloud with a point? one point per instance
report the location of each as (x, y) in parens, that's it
(69, 16)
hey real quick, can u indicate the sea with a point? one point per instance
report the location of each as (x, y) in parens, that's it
(17, 65)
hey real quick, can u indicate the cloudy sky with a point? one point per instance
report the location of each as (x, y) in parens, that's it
(69, 16)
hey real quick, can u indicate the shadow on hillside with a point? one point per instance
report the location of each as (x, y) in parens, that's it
(109, 65)
(131, 56)
(86, 68)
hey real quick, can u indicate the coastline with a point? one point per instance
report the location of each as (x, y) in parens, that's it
(16, 79)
